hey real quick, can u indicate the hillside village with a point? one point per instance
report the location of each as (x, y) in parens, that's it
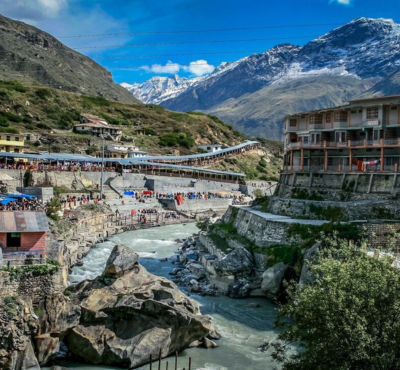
(122, 223)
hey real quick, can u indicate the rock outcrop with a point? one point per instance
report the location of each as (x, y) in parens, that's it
(58, 316)
(272, 279)
(128, 314)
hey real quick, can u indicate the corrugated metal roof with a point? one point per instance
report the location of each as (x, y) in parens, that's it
(190, 168)
(86, 158)
(28, 221)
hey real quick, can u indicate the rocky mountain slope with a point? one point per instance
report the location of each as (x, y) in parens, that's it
(362, 53)
(30, 55)
(48, 115)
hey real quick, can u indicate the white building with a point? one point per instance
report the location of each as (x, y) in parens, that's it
(210, 148)
(96, 126)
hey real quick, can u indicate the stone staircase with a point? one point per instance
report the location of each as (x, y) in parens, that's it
(109, 193)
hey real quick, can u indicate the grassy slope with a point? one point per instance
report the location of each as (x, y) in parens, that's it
(52, 113)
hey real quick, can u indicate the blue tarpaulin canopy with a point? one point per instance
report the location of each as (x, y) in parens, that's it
(20, 196)
(7, 200)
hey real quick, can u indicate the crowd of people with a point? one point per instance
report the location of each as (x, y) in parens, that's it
(196, 195)
(71, 167)
(23, 204)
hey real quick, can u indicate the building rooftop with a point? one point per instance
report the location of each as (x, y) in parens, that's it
(20, 221)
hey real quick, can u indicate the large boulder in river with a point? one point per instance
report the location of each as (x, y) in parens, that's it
(240, 262)
(128, 314)
(121, 260)
(272, 279)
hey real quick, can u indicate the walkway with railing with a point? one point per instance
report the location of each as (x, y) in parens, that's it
(386, 143)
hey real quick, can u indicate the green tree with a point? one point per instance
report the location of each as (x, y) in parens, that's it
(348, 317)
(53, 206)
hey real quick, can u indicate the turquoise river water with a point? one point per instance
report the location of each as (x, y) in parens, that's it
(242, 328)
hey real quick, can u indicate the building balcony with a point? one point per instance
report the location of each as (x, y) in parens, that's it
(316, 126)
(336, 125)
(11, 143)
(385, 143)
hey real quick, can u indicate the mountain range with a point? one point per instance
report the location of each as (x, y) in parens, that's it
(254, 93)
(30, 55)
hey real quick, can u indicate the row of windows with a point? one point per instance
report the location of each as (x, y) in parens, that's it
(372, 113)
(8, 138)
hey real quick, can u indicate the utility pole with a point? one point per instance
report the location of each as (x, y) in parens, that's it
(102, 169)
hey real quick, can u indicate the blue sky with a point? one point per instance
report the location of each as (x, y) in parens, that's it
(83, 17)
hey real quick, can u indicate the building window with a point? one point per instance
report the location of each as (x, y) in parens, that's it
(305, 139)
(340, 117)
(328, 118)
(393, 108)
(340, 136)
(8, 138)
(316, 119)
(17, 138)
(372, 113)
(293, 122)
(16, 150)
(13, 240)
(303, 116)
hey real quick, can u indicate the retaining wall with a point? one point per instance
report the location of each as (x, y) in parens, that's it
(340, 211)
(262, 232)
(27, 285)
(341, 186)
(197, 205)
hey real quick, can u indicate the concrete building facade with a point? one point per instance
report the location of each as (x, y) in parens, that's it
(362, 135)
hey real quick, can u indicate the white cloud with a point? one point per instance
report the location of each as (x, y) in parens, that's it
(199, 67)
(169, 68)
(52, 6)
(196, 68)
(342, 2)
(32, 11)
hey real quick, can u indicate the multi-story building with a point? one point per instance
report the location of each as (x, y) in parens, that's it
(121, 151)
(96, 126)
(362, 135)
(11, 143)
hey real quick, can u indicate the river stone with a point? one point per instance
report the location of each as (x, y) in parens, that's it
(209, 343)
(240, 288)
(272, 279)
(144, 314)
(122, 259)
(240, 261)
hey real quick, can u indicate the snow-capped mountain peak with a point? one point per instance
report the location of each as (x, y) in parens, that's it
(363, 48)
(157, 89)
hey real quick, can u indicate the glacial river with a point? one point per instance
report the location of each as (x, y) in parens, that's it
(243, 328)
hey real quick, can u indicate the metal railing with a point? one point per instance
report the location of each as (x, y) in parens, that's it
(346, 144)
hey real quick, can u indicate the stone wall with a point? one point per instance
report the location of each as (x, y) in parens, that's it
(340, 186)
(27, 285)
(71, 180)
(43, 194)
(382, 235)
(262, 232)
(339, 211)
(197, 205)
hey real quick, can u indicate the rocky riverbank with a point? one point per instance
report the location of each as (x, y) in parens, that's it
(238, 274)
(119, 319)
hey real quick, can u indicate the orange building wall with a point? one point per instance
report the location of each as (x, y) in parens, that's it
(34, 243)
(3, 239)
